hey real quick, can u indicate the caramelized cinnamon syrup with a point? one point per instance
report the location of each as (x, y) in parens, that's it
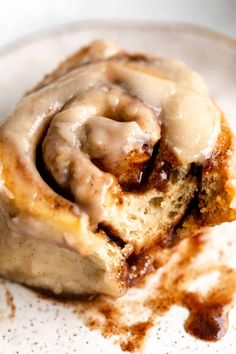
(129, 318)
(9, 299)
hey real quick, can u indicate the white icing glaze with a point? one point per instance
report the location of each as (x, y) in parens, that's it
(191, 118)
(104, 122)
(83, 132)
(192, 133)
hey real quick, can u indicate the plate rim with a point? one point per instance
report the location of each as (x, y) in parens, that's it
(142, 25)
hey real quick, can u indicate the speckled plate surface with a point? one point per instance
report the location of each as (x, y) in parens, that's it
(32, 324)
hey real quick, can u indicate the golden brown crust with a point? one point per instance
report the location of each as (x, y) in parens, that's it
(67, 65)
(215, 207)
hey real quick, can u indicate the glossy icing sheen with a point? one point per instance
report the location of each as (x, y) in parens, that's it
(108, 110)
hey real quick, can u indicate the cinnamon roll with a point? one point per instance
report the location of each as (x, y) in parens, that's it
(110, 159)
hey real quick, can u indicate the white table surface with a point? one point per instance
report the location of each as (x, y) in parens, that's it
(22, 17)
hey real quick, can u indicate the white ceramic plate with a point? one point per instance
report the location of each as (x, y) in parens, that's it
(38, 325)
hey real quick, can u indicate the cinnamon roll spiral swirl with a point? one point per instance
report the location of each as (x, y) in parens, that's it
(110, 159)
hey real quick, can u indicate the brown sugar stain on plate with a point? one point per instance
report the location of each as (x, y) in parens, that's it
(9, 299)
(10, 303)
(129, 318)
(208, 314)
